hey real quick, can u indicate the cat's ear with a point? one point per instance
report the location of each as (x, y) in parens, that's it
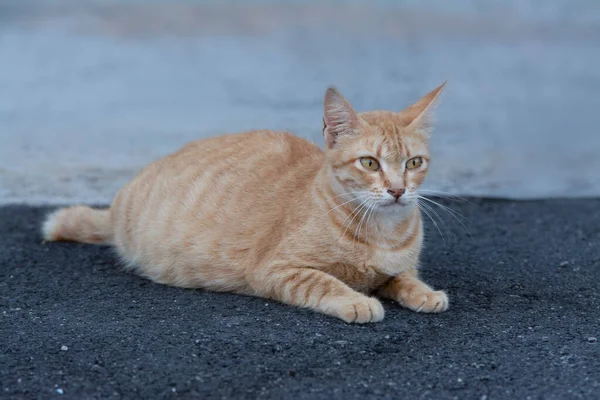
(339, 118)
(419, 114)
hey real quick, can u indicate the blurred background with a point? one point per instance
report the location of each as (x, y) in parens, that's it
(91, 91)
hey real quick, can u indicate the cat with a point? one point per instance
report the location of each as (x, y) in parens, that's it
(269, 214)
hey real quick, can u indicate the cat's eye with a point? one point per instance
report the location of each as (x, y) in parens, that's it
(414, 163)
(369, 163)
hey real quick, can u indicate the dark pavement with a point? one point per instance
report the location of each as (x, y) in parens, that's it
(524, 320)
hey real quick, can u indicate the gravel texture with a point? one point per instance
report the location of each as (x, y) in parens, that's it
(524, 321)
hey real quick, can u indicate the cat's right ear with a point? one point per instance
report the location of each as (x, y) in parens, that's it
(339, 118)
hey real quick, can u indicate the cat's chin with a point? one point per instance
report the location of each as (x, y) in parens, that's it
(395, 206)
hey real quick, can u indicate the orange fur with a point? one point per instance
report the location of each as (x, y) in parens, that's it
(270, 214)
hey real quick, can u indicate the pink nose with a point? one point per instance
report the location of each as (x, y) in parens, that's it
(396, 192)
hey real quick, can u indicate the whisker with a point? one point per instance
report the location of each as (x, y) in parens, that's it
(356, 209)
(355, 212)
(373, 207)
(432, 220)
(455, 214)
(444, 195)
(349, 201)
(446, 208)
(440, 219)
(364, 216)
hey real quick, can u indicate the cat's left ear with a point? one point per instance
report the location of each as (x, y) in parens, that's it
(419, 114)
(339, 118)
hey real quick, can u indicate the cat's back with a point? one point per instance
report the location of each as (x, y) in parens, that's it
(246, 148)
(249, 157)
(212, 190)
(222, 166)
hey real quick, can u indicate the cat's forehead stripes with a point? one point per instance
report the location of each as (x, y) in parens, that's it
(393, 149)
(394, 138)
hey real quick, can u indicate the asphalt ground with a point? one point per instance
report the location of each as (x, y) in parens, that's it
(524, 321)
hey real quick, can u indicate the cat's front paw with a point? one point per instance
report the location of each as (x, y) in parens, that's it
(358, 310)
(426, 301)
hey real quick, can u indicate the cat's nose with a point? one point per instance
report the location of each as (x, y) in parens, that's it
(396, 192)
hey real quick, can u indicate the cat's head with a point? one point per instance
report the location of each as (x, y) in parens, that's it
(379, 156)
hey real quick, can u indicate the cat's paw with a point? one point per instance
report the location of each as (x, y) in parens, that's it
(359, 310)
(426, 301)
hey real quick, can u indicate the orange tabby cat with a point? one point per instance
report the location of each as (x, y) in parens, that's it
(269, 214)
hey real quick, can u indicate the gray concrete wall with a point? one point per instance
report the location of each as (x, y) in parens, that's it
(92, 91)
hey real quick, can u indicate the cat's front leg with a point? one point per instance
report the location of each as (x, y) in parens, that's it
(315, 289)
(408, 290)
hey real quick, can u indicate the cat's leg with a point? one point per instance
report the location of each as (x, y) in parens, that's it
(311, 288)
(408, 290)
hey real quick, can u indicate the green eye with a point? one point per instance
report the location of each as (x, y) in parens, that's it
(414, 163)
(369, 163)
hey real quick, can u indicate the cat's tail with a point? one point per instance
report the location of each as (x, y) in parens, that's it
(79, 224)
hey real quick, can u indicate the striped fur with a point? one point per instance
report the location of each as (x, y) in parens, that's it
(269, 214)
